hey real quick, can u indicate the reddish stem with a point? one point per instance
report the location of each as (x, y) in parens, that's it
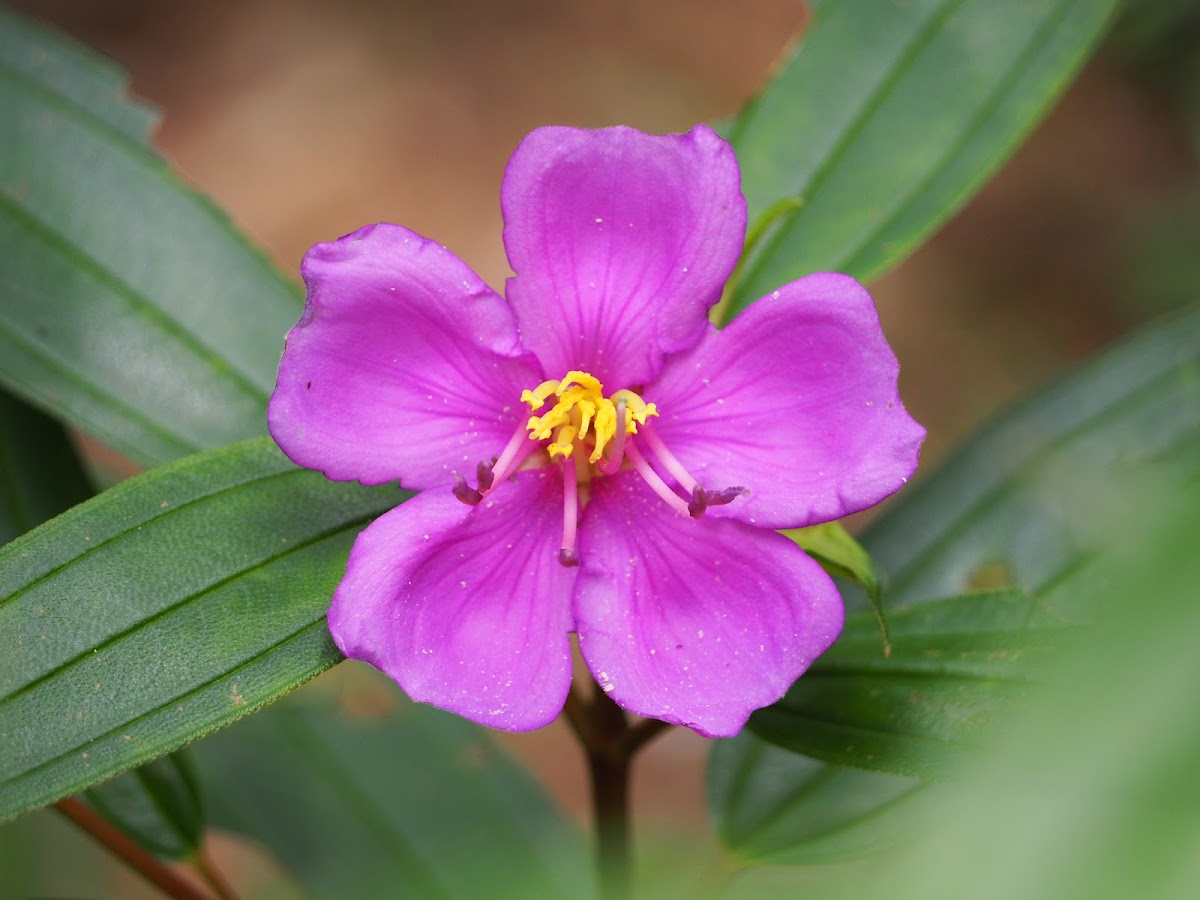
(149, 867)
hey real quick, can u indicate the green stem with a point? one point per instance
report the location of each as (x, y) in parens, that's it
(609, 743)
(610, 805)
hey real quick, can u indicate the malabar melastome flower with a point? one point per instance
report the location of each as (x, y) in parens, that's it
(592, 455)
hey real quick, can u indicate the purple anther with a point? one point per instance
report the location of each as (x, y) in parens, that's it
(702, 499)
(728, 495)
(465, 492)
(568, 557)
(485, 474)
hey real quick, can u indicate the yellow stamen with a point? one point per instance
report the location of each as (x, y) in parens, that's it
(582, 412)
(538, 395)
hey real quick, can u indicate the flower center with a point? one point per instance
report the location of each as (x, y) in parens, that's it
(583, 415)
(583, 419)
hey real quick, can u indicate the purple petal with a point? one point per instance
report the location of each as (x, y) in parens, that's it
(405, 365)
(621, 241)
(695, 621)
(467, 608)
(796, 401)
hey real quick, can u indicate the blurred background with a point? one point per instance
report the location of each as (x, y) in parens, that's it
(307, 119)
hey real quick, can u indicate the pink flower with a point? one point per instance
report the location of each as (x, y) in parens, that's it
(592, 454)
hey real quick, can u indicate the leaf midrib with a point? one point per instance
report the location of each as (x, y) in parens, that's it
(874, 100)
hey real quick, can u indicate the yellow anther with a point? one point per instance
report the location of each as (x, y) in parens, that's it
(538, 395)
(582, 413)
(589, 383)
(639, 409)
(564, 442)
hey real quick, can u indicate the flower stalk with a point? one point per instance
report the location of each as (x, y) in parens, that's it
(609, 742)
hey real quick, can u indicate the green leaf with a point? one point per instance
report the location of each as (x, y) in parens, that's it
(1025, 500)
(129, 305)
(778, 807)
(840, 554)
(40, 474)
(957, 664)
(888, 116)
(417, 803)
(158, 804)
(1019, 520)
(1093, 787)
(163, 609)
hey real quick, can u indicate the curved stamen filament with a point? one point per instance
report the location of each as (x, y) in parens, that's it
(667, 458)
(656, 483)
(515, 452)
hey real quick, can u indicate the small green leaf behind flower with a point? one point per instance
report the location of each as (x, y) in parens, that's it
(840, 554)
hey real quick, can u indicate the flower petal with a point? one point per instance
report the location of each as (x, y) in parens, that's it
(695, 621)
(404, 364)
(467, 608)
(794, 400)
(621, 241)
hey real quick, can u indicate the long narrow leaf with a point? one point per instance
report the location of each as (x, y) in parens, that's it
(164, 609)
(129, 306)
(888, 116)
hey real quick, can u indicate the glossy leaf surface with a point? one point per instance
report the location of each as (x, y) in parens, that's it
(1093, 786)
(956, 664)
(157, 804)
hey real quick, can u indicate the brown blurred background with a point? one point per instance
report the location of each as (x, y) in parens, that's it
(307, 119)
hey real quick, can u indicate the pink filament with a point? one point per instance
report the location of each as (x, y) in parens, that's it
(667, 458)
(567, 555)
(656, 483)
(515, 452)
